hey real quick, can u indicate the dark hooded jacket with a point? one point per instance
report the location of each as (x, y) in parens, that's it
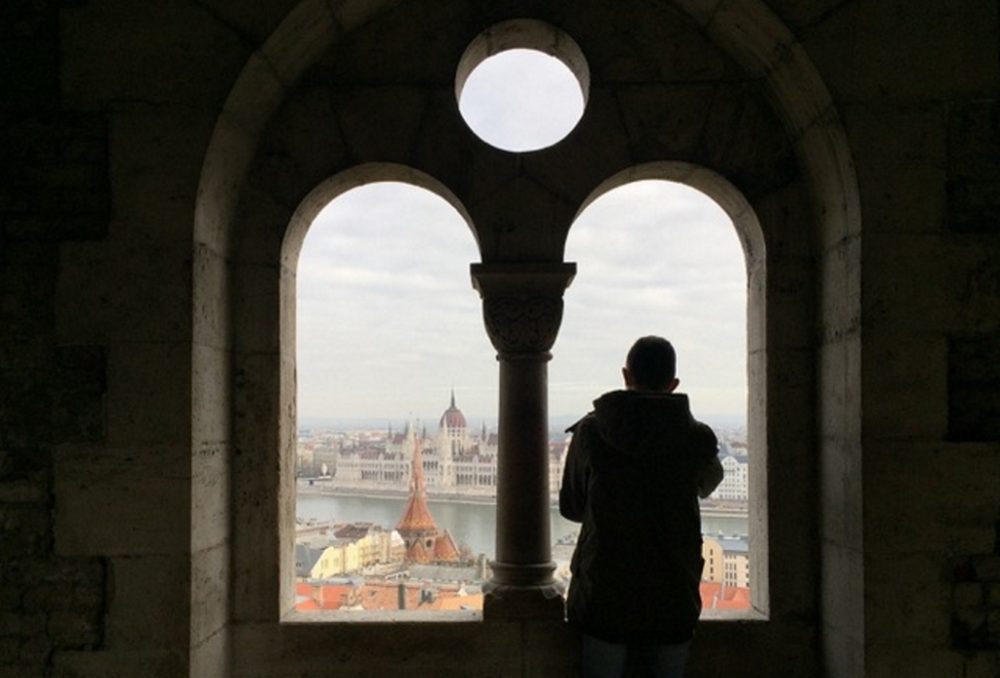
(632, 477)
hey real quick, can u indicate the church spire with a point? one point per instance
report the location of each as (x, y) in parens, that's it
(452, 397)
(425, 543)
(417, 523)
(417, 486)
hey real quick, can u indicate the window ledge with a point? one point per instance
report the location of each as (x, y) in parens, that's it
(714, 616)
(382, 617)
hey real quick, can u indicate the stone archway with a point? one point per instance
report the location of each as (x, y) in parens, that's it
(282, 485)
(826, 206)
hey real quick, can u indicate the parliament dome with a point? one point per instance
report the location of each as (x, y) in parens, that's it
(452, 417)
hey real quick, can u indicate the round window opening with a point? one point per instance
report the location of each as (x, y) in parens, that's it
(522, 85)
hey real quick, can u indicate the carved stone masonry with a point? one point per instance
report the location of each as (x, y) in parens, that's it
(522, 308)
(522, 305)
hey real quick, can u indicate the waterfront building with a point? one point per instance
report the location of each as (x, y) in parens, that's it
(455, 461)
(335, 559)
(727, 560)
(326, 551)
(735, 483)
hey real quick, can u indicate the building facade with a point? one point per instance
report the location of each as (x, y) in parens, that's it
(456, 460)
(727, 560)
(735, 483)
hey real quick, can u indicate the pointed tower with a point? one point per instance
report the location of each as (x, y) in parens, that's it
(425, 543)
(417, 526)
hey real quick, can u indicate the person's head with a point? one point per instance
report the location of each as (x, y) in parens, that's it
(651, 365)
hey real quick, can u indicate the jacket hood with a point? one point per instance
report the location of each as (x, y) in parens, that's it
(642, 422)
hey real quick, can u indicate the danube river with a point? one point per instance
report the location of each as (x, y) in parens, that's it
(471, 524)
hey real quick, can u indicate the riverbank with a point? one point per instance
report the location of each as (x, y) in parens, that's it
(379, 493)
(708, 510)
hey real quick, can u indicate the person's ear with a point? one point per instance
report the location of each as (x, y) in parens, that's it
(627, 376)
(674, 383)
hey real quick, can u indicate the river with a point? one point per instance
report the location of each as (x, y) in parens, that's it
(472, 524)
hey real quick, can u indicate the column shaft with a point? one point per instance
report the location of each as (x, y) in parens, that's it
(523, 546)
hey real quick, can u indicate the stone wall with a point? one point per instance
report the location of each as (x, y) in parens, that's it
(53, 189)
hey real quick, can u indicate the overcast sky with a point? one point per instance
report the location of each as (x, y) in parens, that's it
(388, 322)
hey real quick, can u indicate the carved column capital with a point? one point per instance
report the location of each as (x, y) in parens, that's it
(522, 305)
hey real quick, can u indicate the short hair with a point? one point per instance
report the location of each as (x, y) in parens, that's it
(652, 362)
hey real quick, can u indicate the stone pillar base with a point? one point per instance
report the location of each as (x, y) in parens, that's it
(504, 602)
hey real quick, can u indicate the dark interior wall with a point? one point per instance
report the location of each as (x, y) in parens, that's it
(916, 93)
(53, 190)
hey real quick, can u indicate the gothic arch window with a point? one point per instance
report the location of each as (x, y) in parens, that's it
(673, 249)
(385, 322)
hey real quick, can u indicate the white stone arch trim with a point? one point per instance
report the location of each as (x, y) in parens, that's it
(353, 177)
(524, 34)
(263, 548)
(302, 218)
(711, 183)
(756, 38)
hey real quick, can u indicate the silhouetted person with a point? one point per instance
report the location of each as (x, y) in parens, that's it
(634, 471)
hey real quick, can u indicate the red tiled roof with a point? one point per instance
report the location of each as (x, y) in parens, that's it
(418, 553)
(445, 548)
(385, 596)
(734, 598)
(321, 596)
(352, 531)
(334, 596)
(714, 596)
(469, 602)
(382, 595)
(417, 516)
(306, 605)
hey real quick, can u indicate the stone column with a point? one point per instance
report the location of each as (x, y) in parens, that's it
(522, 309)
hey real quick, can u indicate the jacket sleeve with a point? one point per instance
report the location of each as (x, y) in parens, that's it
(573, 491)
(710, 478)
(711, 473)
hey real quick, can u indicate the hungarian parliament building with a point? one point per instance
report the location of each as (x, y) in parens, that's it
(457, 461)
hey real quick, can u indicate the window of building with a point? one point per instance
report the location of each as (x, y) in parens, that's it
(659, 257)
(376, 339)
(638, 256)
(396, 409)
(514, 95)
